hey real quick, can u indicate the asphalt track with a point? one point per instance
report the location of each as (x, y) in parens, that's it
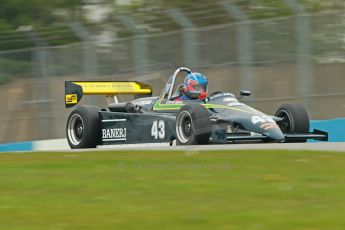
(318, 146)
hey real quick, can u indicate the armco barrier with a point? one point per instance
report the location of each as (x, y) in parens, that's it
(334, 127)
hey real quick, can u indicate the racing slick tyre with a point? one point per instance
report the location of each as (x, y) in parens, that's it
(83, 129)
(193, 125)
(295, 120)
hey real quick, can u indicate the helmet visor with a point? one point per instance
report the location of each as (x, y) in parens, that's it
(202, 88)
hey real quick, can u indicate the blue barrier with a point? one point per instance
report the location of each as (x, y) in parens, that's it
(16, 147)
(334, 127)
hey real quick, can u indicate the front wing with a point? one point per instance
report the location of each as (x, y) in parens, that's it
(222, 137)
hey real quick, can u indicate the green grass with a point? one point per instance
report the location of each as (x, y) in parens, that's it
(173, 190)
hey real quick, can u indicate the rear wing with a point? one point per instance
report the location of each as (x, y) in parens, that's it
(74, 90)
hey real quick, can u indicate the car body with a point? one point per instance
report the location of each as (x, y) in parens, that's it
(220, 118)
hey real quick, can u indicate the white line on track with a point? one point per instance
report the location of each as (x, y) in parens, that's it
(318, 146)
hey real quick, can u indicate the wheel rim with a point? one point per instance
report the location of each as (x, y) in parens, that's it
(184, 127)
(285, 125)
(75, 129)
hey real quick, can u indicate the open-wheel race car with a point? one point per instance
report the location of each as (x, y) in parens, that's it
(219, 118)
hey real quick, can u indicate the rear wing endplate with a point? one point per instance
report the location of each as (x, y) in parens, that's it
(74, 90)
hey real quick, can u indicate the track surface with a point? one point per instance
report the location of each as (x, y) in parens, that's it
(62, 145)
(322, 146)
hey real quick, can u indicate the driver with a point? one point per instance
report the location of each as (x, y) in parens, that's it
(194, 87)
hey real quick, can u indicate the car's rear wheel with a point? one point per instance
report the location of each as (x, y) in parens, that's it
(83, 128)
(193, 125)
(295, 120)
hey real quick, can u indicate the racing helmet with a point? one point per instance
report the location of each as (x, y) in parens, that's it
(195, 86)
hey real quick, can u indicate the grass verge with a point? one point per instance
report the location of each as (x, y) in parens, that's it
(173, 190)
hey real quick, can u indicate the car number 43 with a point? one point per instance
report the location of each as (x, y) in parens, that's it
(158, 130)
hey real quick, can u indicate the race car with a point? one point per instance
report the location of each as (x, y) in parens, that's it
(218, 119)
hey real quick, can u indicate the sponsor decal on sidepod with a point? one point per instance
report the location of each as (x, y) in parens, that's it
(114, 134)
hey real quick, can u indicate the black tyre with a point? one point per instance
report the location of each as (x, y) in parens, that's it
(83, 129)
(193, 125)
(295, 120)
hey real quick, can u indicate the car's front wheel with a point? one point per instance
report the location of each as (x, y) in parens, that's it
(295, 120)
(83, 128)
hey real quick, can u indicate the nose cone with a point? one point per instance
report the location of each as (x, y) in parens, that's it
(275, 134)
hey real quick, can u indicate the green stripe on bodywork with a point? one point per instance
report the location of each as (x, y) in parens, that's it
(159, 106)
(214, 106)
